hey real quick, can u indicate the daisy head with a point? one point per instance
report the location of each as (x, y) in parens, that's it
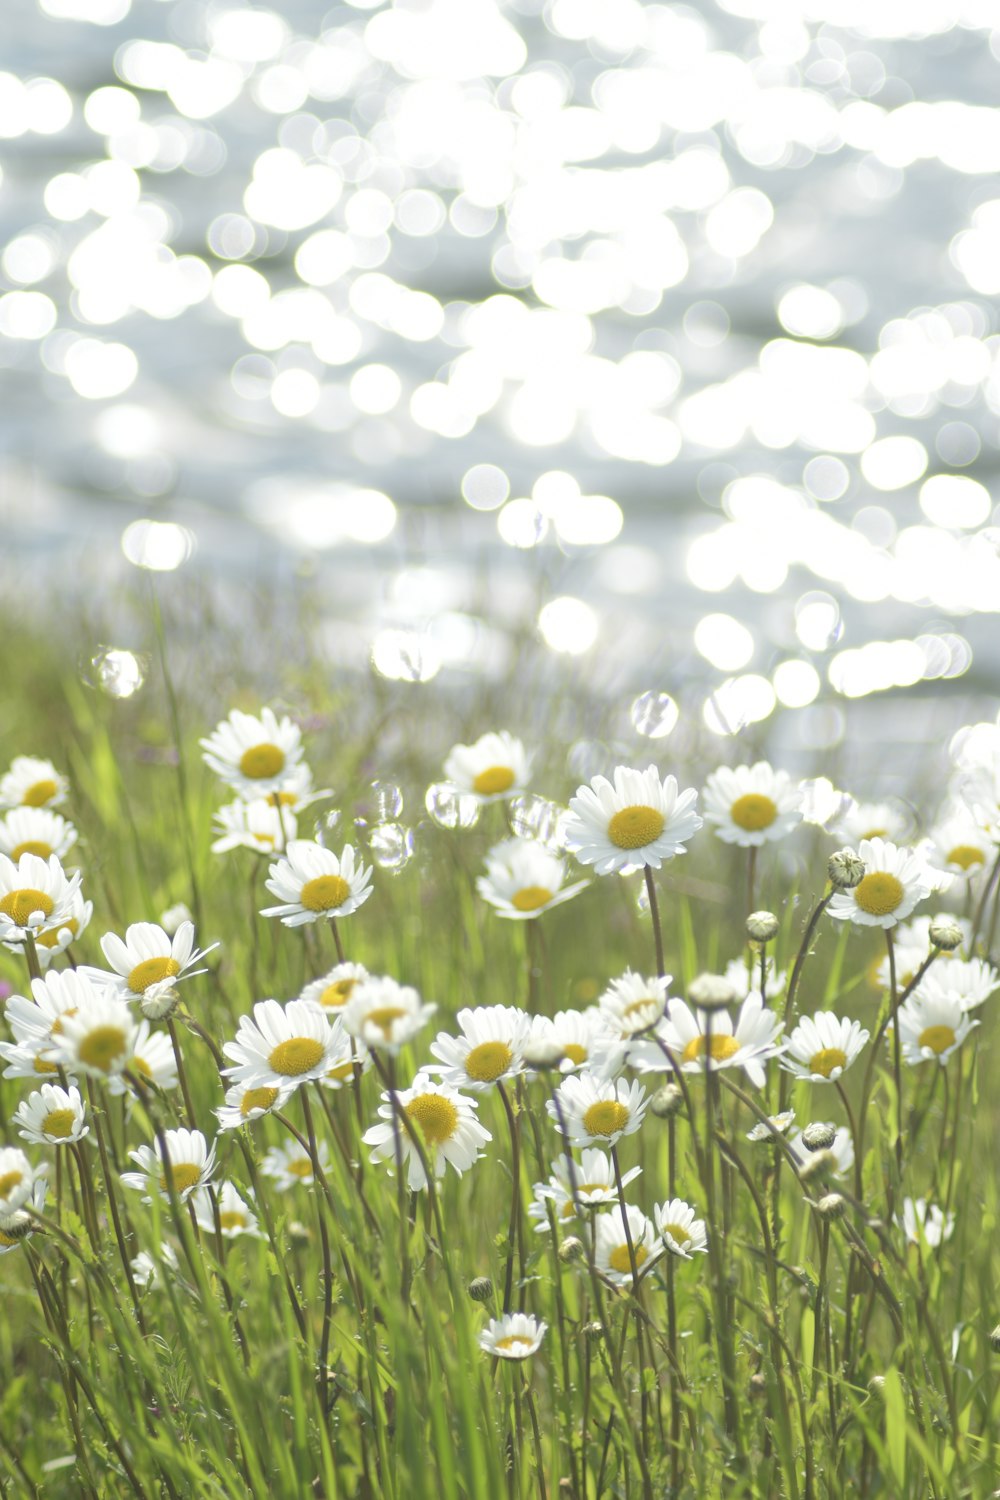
(16, 1180)
(703, 1041)
(35, 830)
(752, 805)
(743, 974)
(32, 783)
(592, 1111)
(924, 1223)
(250, 1101)
(97, 1038)
(290, 1166)
(495, 767)
(822, 1047)
(36, 896)
(931, 1026)
(258, 825)
(524, 879)
(611, 1244)
(55, 940)
(280, 1046)
(51, 1116)
(235, 1215)
(437, 1116)
(634, 820)
(348, 1061)
(589, 1182)
(58, 994)
(332, 992)
(488, 1049)
(17, 1227)
(313, 884)
(254, 755)
(385, 1015)
(146, 1270)
(960, 847)
(186, 1163)
(775, 1126)
(895, 880)
(969, 981)
(148, 963)
(872, 820)
(682, 1233)
(574, 1033)
(516, 1335)
(631, 1005)
(153, 1060)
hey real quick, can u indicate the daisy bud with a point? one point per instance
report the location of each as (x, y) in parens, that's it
(593, 1331)
(571, 1249)
(846, 869)
(666, 1102)
(995, 1339)
(711, 992)
(876, 1387)
(757, 1386)
(817, 1165)
(832, 1206)
(946, 934)
(819, 1137)
(762, 926)
(299, 1233)
(480, 1289)
(159, 1007)
(542, 1055)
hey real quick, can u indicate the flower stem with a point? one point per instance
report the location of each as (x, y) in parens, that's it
(654, 912)
(515, 1201)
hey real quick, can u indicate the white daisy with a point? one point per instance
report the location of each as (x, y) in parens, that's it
(281, 1046)
(385, 1015)
(153, 1059)
(959, 846)
(924, 1223)
(681, 1232)
(254, 756)
(611, 1254)
(28, 1060)
(290, 1166)
(16, 1228)
(487, 1051)
(297, 790)
(96, 1039)
(348, 1059)
(703, 1040)
(931, 1027)
(516, 1335)
(912, 945)
(332, 992)
(35, 830)
(32, 783)
(574, 1032)
(51, 1116)
(146, 1270)
(969, 981)
(752, 805)
(524, 879)
(593, 1109)
(744, 976)
(53, 942)
(445, 1122)
(36, 896)
(148, 964)
(174, 916)
(895, 882)
(248, 1101)
(235, 1215)
(188, 1164)
(979, 790)
(592, 1177)
(256, 825)
(313, 884)
(59, 993)
(16, 1179)
(872, 820)
(822, 1047)
(636, 820)
(842, 1151)
(631, 1005)
(495, 767)
(775, 1123)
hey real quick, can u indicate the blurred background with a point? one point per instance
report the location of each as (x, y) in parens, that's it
(656, 342)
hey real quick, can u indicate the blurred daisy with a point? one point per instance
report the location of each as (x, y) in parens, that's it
(969, 981)
(523, 879)
(631, 1004)
(17, 1227)
(171, 919)
(148, 963)
(636, 820)
(775, 1124)
(297, 790)
(871, 820)
(487, 1051)
(188, 1164)
(96, 1039)
(16, 1180)
(516, 1335)
(348, 1059)
(32, 783)
(146, 1270)
(35, 895)
(822, 1047)
(842, 1151)
(595, 1110)
(592, 1178)
(681, 1232)
(931, 1027)
(153, 1059)
(235, 1216)
(332, 992)
(253, 755)
(445, 1122)
(249, 1101)
(752, 805)
(280, 1046)
(959, 847)
(56, 995)
(49, 944)
(495, 767)
(290, 1166)
(574, 1032)
(895, 882)
(708, 1040)
(313, 884)
(28, 1060)
(611, 1253)
(35, 830)
(979, 790)
(256, 825)
(745, 977)
(51, 1116)
(385, 1015)
(924, 1223)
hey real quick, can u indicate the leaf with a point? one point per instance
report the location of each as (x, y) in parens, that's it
(895, 1426)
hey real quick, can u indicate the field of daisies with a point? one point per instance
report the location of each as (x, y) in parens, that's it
(479, 1133)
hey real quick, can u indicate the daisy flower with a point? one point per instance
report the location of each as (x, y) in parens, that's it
(313, 884)
(153, 1059)
(51, 1116)
(290, 1166)
(636, 820)
(32, 783)
(631, 1004)
(708, 1040)
(842, 1151)
(959, 847)
(35, 830)
(744, 976)
(822, 1047)
(385, 1015)
(594, 1109)
(592, 1177)
(924, 1223)
(871, 820)
(896, 881)
(611, 1254)
(332, 992)
(188, 1164)
(35, 896)
(931, 1027)
(27, 1060)
(970, 981)
(60, 993)
(524, 879)
(235, 1216)
(574, 1032)
(979, 790)
(297, 790)
(15, 1228)
(96, 1039)
(775, 1124)
(495, 767)
(248, 1101)
(256, 825)
(16, 1180)
(350, 1058)
(445, 1122)
(752, 805)
(516, 1335)
(253, 755)
(487, 1051)
(148, 964)
(681, 1232)
(146, 1270)
(172, 918)
(49, 944)
(281, 1046)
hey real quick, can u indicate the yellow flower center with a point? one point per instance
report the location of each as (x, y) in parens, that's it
(257, 1099)
(605, 1118)
(19, 905)
(32, 846)
(342, 1072)
(296, 1056)
(879, 893)
(488, 1061)
(721, 1046)
(575, 1053)
(828, 1058)
(753, 811)
(9, 1181)
(582, 1188)
(151, 971)
(183, 1175)
(634, 827)
(140, 1065)
(59, 1122)
(648, 1005)
(531, 898)
(436, 1116)
(493, 781)
(232, 1220)
(325, 893)
(39, 793)
(965, 856)
(618, 1260)
(50, 939)
(937, 1038)
(102, 1047)
(513, 1341)
(383, 1016)
(8, 1238)
(301, 1167)
(677, 1233)
(261, 762)
(873, 833)
(338, 994)
(41, 1066)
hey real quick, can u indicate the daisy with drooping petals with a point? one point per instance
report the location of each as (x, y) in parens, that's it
(842, 1151)
(487, 1051)
(281, 1046)
(187, 1165)
(574, 1032)
(611, 1252)
(707, 1040)
(871, 820)
(680, 1231)
(383, 1014)
(35, 830)
(96, 1039)
(16, 1179)
(495, 767)
(255, 756)
(149, 963)
(313, 884)
(969, 981)
(516, 1335)
(924, 1223)
(822, 1047)
(51, 1116)
(636, 820)
(249, 1101)
(443, 1120)
(36, 895)
(49, 944)
(291, 1166)
(589, 1182)
(332, 992)
(895, 882)
(592, 1110)
(931, 1027)
(32, 783)
(752, 805)
(256, 825)
(235, 1215)
(524, 879)
(631, 1005)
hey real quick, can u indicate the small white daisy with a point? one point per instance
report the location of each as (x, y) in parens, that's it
(16, 1179)
(924, 1223)
(495, 767)
(188, 1164)
(96, 1039)
(146, 1270)
(487, 1051)
(312, 884)
(35, 830)
(611, 1254)
(589, 1182)
(53, 942)
(28, 1060)
(970, 981)
(709, 1040)
(153, 1059)
(931, 1027)
(682, 1233)
(872, 820)
(332, 992)
(235, 1215)
(744, 977)
(171, 919)
(595, 1110)
(574, 1032)
(446, 1125)
(249, 1101)
(895, 882)
(255, 756)
(822, 1047)
(959, 847)
(631, 1005)
(17, 1227)
(51, 1116)
(32, 783)
(348, 1060)
(36, 895)
(516, 1335)
(281, 1045)
(290, 1166)
(636, 820)
(842, 1151)
(149, 963)
(775, 1123)
(57, 994)
(978, 787)
(297, 790)
(524, 879)
(256, 825)
(752, 805)
(385, 1015)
